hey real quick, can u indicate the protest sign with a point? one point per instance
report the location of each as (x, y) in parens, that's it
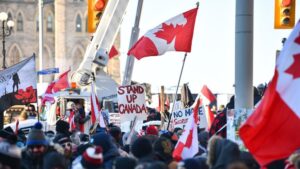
(131, 102)
(180, 117)
(235, 118)
(18, 84)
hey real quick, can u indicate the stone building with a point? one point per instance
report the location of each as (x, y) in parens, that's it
(65, 34)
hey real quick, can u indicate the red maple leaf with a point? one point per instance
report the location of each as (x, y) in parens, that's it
(183, 33)
(294, 68)
(27, 96)
(168, 32)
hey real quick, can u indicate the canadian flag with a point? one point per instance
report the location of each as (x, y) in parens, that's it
(96, 114)
(272, 131)
(208, 98)
(48, 96)
(71, 120)
(176, 34)
(61, 83)
(187, 145)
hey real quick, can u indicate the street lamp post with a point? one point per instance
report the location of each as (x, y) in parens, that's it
(7, 26)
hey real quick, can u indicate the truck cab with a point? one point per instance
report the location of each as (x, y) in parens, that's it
(58, 110)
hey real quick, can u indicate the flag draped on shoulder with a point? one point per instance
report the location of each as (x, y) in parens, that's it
(61, 83)
(18, 84)
(271, 132)
(187, 145)
(96, 114)
(175, 34)
(208, 100)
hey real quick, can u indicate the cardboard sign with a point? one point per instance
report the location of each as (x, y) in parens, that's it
(131, 102)
(180, 117)
(235, 118)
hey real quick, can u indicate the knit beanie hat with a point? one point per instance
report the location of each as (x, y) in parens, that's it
(152, 130)
(62, 139)
(36, 136)
(141, 147)
(102, 139)
(10, 155)
(62, 127)
(92, 158)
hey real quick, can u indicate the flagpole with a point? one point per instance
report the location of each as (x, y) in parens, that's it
(134, 37)
(36, 93)
(177, 89)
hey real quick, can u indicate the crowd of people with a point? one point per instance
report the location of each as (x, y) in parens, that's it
(109, 148)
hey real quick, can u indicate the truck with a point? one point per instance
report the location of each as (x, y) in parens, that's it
(91, 69)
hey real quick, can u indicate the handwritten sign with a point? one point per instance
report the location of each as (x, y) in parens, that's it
(180, 117)
(131, 102)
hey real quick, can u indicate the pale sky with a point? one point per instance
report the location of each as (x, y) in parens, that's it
(211, 60)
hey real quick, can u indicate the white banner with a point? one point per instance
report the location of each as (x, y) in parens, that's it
(180, 117)
(18, 84)
(131, 102)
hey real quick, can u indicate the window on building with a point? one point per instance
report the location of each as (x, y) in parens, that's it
(50, 23)
(19, 22)
(78, 24)
(9, 16)
(37, 23)
(14, 56)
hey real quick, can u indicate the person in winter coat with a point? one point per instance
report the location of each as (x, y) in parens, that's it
(92, 158)
(80, 118)
(55, 160)
(116, 134)
(163, 149)
(217, 126)
(62, 129)
(124, 162)
(10, 155)
(152, 134)
(142, 150)
(110, 150)
(221, 152)
(36, 148)
(203, 139)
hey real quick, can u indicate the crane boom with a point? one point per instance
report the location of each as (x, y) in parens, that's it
(101, 43)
